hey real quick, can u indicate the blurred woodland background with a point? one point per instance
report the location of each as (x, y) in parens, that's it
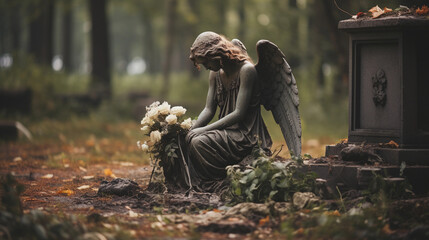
(104, 60)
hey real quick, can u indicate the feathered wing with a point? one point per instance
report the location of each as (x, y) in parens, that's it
(280, 92)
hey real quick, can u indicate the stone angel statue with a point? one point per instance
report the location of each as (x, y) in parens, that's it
(238, 88)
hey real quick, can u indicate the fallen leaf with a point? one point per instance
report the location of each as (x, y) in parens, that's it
(83, 169)
(131, 213)
(17, 159)
(66, 165)
(83, 187)
(65, 192)
(386, 10)
(264, 220)
(127, 164)
(335, 213)
(88, 177)
(392, 144)
(300, 231)
(375, 9)
(47, 176)
(386, 229)
(108, 172)
(402, 8)
(422, 11)
(216, 210)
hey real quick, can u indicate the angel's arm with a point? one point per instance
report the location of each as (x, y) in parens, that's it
(248, 76)
(210, 109)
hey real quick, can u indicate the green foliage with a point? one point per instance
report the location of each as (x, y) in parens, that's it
(322, 224)
(380, 189)
(267, 179)
(10, 192)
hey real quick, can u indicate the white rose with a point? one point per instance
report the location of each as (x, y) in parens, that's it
(164, 108)
(155, 136)
(153, 105)
(145, 129)
(153, 113)
(178, 111)
(186, 124)
(147, 121)
(145, 147)
(171, 119)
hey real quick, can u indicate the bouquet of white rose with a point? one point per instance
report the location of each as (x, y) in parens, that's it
(164, 126)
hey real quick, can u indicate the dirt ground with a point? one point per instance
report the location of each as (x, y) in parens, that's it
(71, 186)
(63, 177)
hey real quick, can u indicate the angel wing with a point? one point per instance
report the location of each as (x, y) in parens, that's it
(280, 93)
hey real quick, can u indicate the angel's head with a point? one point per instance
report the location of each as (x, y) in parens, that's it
(213, 50)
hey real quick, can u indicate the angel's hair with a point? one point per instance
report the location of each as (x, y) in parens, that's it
(210, 44)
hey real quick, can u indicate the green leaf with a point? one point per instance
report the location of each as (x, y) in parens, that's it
(238, 191)
(243, 180)
(283, 183)
(272, 193)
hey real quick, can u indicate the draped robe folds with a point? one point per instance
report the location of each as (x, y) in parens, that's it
(208, 154)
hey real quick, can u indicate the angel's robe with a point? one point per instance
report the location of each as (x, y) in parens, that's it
(210, 152)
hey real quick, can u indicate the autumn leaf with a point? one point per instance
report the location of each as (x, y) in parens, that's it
(48, 176)
(335, 213)
(422, 11)
(88, 177)
(392, 144)
(108, 172)
(386, 10)
(83, 187)
(264, 220)
(386, 229)
(377, 11)
(300, 231)
(65, 192)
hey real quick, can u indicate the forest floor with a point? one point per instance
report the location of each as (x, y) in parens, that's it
(61, 177)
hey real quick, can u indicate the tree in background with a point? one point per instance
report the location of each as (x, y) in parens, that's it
(170, 36)
(41, 30)
(67, 35)
(100, 61)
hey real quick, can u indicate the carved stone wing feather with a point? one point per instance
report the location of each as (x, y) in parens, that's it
(280, 92)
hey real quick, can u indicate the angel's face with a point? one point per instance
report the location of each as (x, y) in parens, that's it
(210, 63)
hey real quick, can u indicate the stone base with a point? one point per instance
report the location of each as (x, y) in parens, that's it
(347, 177)
(392, 156)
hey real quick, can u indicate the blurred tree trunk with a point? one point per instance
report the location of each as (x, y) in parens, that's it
(339, 44)
(171, 18)
(100, 61)
(242, 18)
(41, 32)
(16, 27)
(193, 29)
(3, 30)
(67, 35)
(150, 54)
